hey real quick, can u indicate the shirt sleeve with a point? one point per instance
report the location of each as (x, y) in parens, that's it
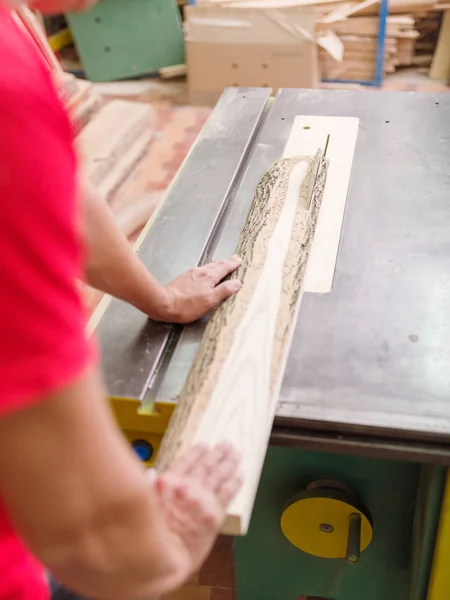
(43, 343)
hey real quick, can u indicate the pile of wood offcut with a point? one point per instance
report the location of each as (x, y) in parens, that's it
(359, 46)
(412, 27)
(347, 32)
(113, 137)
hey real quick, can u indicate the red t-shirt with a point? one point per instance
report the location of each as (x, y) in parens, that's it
(42, 321)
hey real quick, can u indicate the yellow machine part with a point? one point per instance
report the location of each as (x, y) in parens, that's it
(440, 576)
(143, 427)
(320, 526)
(60, 40)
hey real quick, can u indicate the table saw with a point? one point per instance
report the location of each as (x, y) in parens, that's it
(363, 418)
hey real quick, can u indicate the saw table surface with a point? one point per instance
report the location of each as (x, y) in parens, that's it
(370, 361)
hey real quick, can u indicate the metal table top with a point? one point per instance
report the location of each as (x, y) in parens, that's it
(373, 355)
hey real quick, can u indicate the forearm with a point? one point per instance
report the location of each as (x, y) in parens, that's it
(112, 266)
(128, 558)
(83, 503)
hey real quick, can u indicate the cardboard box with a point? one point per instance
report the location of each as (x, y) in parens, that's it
(249, 48)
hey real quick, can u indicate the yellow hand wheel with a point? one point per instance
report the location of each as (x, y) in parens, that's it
(327, 520)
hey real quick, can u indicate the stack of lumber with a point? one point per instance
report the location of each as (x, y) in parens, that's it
(359, 38)
(80, 99)
(113, 142)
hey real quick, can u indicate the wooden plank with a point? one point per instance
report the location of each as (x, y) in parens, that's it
(125, 164)
(231, 392)
(264, 4)
(174, 71)
(440, 65)
(342, 12)
(232, 389)
(396, 26)
(111, 133)
(84, 110)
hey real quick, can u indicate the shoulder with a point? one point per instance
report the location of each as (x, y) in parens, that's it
(25, 81)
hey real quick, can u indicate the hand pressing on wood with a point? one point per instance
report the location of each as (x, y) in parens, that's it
(113, 268)
(193, 498)
(193, 294)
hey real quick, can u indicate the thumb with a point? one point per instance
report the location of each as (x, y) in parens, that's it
(226, 289)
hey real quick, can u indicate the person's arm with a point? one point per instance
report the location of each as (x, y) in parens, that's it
(112, 267)
(83, 503)
(72, 487)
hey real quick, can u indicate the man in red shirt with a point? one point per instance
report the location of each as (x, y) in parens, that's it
(73, 496)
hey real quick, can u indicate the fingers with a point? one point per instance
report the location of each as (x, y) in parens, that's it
(189, 459)
(210, 461)
(195, 506)
(228, 491)
(216, 271)
(226, 465)
(225, 290)
(220, 473)
(215, 470)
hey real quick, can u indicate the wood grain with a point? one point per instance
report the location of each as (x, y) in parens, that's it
(232, 389)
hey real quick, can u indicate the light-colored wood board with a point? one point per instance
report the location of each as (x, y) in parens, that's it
(109, 134)
(134, 215)
(342, 12)
(356, 87)
(125, 163)
(331, 44)
(401, 7)
(77, 91)
(174, 71)
(440, 65)
(308, 134)
(396, 26)
(232, 390)
(266, 4)
(152, 90)
(84, 111)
